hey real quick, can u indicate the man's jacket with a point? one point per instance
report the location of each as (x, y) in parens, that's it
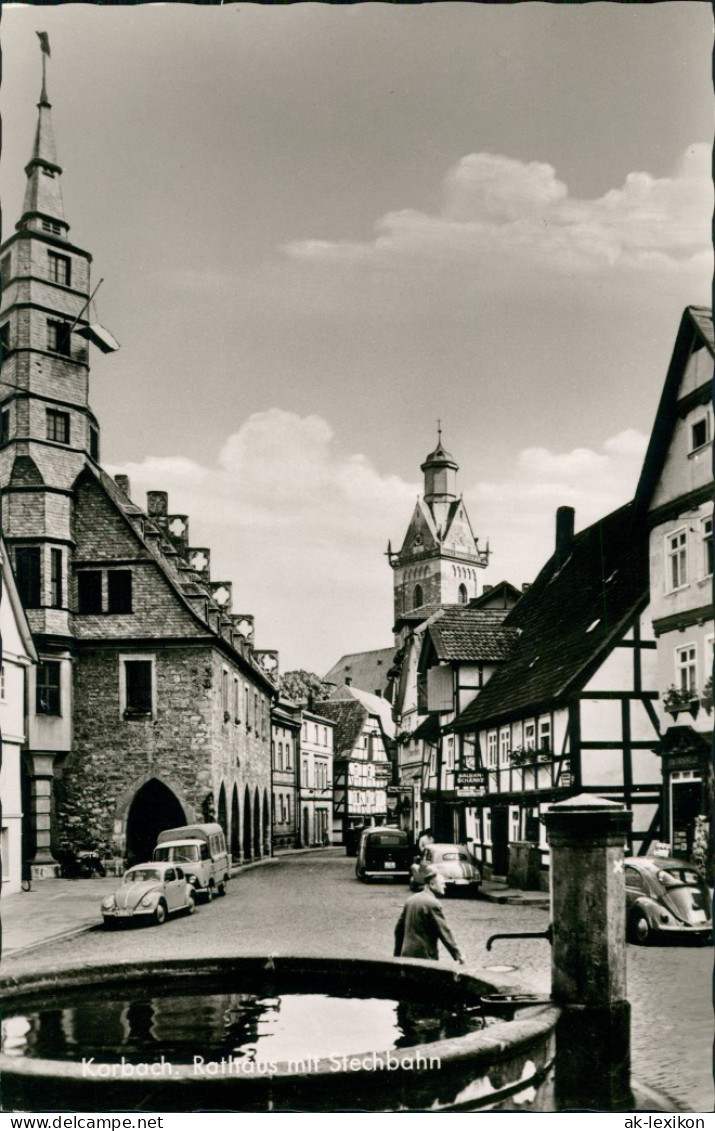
(420, 926)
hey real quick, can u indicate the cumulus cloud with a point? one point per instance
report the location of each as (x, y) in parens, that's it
(301, 527)
(498, 206)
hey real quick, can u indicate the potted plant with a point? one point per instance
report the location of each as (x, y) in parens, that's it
(706, 698)
(677, 699)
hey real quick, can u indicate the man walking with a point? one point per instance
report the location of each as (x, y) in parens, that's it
(422, 923)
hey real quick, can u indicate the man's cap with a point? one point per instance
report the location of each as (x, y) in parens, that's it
(428, 873)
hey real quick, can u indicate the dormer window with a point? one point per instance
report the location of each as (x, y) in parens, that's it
(52, 226)
(699, 434)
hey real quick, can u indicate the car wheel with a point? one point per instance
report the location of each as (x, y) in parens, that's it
(209, 894)
(160, 914)
(221, 888)
(640, 930)
(360, 873)
(191, 905)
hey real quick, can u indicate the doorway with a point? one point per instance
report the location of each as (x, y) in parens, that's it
(500, 840)
(153, 809)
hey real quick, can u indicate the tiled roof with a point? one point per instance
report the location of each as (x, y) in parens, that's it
(349, 716)
(366, 670)
(503, 591)
(461, 633)
(569, 618)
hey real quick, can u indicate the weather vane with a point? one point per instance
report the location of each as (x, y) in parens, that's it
(45, 49)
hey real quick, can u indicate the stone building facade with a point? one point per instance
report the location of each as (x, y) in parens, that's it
(149, 706)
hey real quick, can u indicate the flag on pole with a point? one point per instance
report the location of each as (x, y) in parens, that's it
(44, 42)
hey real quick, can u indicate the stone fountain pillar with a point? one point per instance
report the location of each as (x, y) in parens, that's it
(587, 836)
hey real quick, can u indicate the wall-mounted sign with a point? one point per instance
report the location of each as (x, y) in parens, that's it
(472, 780)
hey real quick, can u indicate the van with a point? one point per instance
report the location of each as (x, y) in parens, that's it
(384, 852)
(201, 852)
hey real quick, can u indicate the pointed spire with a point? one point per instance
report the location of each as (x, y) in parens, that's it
(43, 194)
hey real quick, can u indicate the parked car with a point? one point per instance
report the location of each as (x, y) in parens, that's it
(149, 891)
(666, 897)
(455, 863)
(201, 851)
(384, 852)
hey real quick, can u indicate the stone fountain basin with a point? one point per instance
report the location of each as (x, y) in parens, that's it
(506, 1066)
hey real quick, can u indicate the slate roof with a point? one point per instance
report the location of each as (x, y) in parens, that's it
(366, 670)
(349, 716)
(374, 705)
(185, 582)
(461, 633)
(569, 619)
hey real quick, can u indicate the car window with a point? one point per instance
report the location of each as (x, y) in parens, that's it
(204, 852)
(669, 877)
(634, 879)
(387, 840)
(169, 875)
(455, 856)
(142, 876)
(179, 873)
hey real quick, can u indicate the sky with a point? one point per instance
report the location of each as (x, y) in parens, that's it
(322, 228)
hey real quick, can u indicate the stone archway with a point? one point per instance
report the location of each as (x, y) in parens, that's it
(153, 808)
(247, 838)
(221, 811)
(256, 824)
(235, 825)
(266, 825)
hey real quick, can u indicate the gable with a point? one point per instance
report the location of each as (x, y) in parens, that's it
(421, 534)
(458, 531)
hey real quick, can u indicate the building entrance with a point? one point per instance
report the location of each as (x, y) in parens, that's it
(153, 809)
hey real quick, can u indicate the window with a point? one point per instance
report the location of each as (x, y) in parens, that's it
(236, 700)
(699, 434)
(450, 752)
(60, 268)
(2, 682)
(27, 575)
(47, 688)
(463, 595)
(119, 591)
(529, 736)
(417, 597)
(5, 337)
(58, 337)
(707, 529)
(93, 444)
(677, 560)
(58, 426)
(504, 746)
(89, 591)
(288, 808)
(56, 586)
(288, 754)
(137, 687)
(4, 426)
(224, 694)
(51, 226)
(544, 734)
(279, 756)
(492, 748)
(686, 668)
(305, 771)
(325, 736)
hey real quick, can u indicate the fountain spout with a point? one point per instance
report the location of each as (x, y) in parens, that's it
(548, 934)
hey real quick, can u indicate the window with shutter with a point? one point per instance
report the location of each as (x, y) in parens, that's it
(119, 591)
(89, 591)
(27, 575)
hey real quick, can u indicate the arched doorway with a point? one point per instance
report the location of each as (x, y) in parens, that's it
(221, 814)
(256, 824)
(235, 827)
(246, 825)
(266, 826)
(153, 808)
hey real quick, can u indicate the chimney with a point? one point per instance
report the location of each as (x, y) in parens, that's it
(564, 534)
(123, 484)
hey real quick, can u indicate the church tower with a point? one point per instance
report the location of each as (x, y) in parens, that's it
(47, 429)
(440, 558)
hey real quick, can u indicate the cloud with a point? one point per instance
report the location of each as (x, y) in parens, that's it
(301, 528)
(495, 206)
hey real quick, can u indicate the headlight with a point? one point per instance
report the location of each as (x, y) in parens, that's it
(148, 899)
(191, 878)
(108, 903)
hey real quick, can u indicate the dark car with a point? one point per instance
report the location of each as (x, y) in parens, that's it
(666, 897)
(384, 853)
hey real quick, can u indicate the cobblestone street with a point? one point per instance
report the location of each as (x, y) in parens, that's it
(312, 904)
